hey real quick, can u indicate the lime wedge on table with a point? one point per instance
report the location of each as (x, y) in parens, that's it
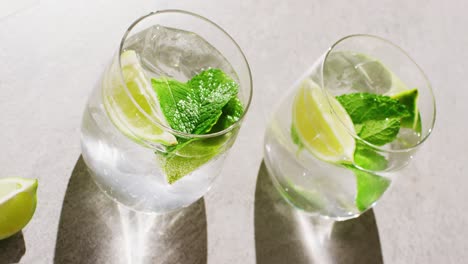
(17, 204)
(410, 99)
(318, 129)
(123, 112)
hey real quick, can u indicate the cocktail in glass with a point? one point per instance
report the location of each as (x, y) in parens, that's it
(158, 126)
(343, 131)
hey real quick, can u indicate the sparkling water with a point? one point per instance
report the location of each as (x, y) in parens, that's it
(127, 171)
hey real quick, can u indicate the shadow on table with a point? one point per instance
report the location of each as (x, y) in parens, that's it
(95, 229)
(12, 249)
(284, 235)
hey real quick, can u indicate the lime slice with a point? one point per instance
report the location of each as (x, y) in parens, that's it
(17, 204)
(410, 99)
(130, 118)
(323, 134)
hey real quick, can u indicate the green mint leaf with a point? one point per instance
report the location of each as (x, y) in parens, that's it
(206, 103)
(232, 111)
(369, 159)
(179, 104)
(363, 107)
(189, 155)
(370, 187)
(215, 89)
(376, 120)
(379, 132)
(196, 106)
(181, 142)
(376, 117)
(176, 167)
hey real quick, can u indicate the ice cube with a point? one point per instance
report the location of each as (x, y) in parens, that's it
(346, 71)
(176, 53)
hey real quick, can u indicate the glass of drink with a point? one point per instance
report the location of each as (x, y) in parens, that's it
(158, 126)
(347, 126)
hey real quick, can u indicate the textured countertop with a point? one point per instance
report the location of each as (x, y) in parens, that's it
(53, 52)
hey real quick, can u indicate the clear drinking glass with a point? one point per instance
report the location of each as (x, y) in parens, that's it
(134, 153)
(355, 118)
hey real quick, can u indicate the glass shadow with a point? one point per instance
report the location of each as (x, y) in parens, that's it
(12, 249)
(285, 235)
(95, 229)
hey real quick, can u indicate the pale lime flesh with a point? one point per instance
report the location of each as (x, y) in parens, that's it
(17, 204)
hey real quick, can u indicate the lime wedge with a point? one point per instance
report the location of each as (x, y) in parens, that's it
(130, 118)
(17, 204)
(323, 134)
(410, 99)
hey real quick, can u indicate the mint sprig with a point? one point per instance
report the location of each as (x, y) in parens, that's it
(205, 104)
(377, 120)
(195, 107)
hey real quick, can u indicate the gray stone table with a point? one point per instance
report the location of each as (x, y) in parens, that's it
(52, 53)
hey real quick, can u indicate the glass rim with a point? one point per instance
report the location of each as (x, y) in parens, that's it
(354, 135)
(151, 118)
